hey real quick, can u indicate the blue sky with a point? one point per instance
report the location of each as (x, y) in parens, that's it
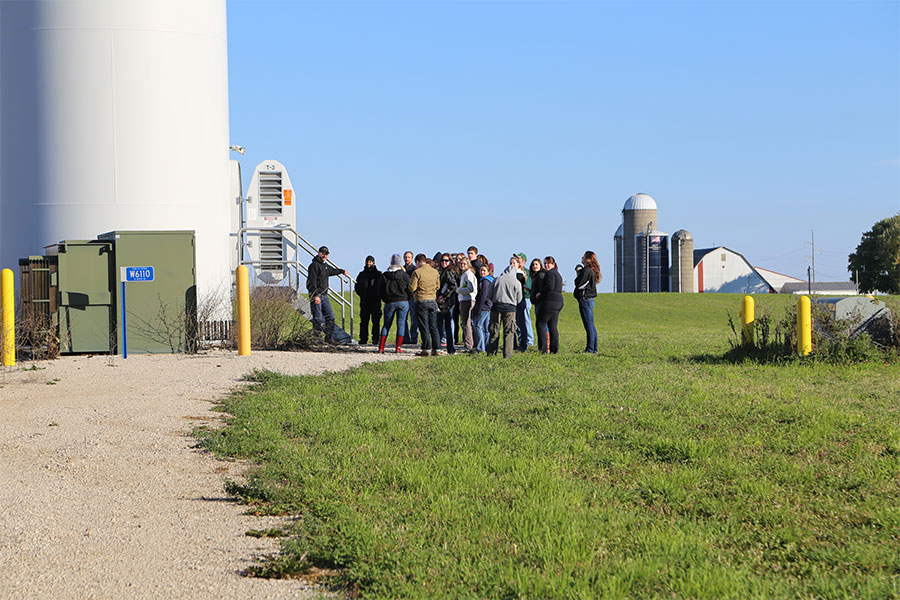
(524, 126)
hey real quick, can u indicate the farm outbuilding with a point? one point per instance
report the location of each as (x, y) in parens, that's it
(723, 270)
(777, 280)
(822, 288)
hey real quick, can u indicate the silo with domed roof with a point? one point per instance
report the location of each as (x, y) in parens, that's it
(639, 215)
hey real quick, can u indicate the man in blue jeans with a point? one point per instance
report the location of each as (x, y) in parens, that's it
(317, 287)
(424, 285)
(524, 332)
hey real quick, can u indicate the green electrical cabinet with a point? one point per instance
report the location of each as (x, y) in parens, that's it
(84, 296)
(158, 270)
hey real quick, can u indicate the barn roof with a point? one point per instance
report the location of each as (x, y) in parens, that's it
(702, 252)
(699, 254)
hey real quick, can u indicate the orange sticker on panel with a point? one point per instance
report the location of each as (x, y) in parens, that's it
(288, 197)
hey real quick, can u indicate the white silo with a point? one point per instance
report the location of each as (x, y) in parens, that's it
(638, 215)
(682, 272)
(114, 116)
(619, 270)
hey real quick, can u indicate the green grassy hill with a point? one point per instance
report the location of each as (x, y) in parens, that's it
(651, 470)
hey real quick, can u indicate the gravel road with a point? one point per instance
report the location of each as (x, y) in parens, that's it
(102, 494)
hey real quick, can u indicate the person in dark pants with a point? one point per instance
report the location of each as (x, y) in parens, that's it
(446, 300)
(413, 330)
(317, 287)
(551, 303)
(585, 291)
(506, 293)
(524, 333)
(424, 285)
(536, 275)
(367, 288)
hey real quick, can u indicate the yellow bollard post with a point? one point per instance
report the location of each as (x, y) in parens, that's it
(243, 310)
(747, 318)
(8, 333)
(804, 326)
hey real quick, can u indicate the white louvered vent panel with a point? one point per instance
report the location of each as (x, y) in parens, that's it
(270, 194)
(271, 248)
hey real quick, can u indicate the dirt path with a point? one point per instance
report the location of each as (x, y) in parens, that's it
(101, 492)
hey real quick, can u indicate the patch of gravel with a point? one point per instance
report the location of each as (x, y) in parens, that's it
(103, 494)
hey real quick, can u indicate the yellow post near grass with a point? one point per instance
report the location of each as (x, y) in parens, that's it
(804, 326)
(8, 334)
(243, 310)
(747, 317)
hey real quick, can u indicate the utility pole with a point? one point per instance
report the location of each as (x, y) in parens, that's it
(812, 257)
(813, 253)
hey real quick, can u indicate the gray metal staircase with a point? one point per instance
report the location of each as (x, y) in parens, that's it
(296, 253)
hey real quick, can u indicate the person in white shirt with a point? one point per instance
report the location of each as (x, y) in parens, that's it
(467, 292)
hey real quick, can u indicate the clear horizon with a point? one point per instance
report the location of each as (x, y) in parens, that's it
(525, 126)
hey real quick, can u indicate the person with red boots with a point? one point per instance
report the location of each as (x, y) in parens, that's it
(394, 291)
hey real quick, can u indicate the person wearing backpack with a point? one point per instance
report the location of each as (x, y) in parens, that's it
(585, 291)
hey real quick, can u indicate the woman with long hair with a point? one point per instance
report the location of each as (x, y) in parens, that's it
(536, 275)
(457, 328)
(446, 299)
(551, 300)
(468, 293)
(585, 291)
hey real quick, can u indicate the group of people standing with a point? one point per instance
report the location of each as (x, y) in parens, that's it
(455, 300)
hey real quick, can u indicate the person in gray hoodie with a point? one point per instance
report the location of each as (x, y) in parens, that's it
(505, 294)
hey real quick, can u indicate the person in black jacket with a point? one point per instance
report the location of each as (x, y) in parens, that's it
(317, 288)
(551, 302)
(368, 289)
(536, 275)
(586, 280)
(394, 290)
(446, 299)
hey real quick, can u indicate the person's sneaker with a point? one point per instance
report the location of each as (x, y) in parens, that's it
(423, 353)
(436, 352)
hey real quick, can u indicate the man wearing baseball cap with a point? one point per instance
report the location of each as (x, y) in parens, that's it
(317, 288)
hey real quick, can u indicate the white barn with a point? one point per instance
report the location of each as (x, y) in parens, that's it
(777, 280)
(722, 270)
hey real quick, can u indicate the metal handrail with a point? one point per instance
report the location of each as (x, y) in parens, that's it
(301, 269)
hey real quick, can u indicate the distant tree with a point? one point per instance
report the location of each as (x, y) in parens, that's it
(876, 261)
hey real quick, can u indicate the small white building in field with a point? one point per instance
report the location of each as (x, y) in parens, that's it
(821, 288)
(723, 270)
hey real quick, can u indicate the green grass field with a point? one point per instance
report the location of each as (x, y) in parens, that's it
(652, 470)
